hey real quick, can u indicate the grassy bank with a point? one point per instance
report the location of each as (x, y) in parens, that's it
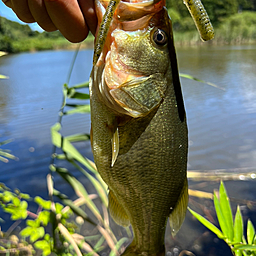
(40, 44)
(237, 29)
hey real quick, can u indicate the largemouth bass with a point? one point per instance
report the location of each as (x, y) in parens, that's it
(139, 132)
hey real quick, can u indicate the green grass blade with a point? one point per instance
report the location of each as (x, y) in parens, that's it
(77, 210)
(67, 147)
(238, 253)
(82, 85)
(69, 238)
(3, 77)
(207, 224)
(250, 232)
(73, 94)
(220, 216)
(102, 192)
(99, 243)
(5, 142)
(65, 93)
(79, 109)
(78, 137)
(226, 211)
(7, 155)
(201, 81)
(251, 247)
(238, 227)
(80, 190)
(118, 245)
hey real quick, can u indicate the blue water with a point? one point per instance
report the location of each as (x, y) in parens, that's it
(222, 123)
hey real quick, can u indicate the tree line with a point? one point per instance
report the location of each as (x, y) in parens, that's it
(216, 9)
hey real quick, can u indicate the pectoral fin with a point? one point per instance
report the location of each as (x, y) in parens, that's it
(115, 147)
(117, 211)
(177, 215)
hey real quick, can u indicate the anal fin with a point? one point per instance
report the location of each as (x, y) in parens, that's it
(178, 214)
(117, 212)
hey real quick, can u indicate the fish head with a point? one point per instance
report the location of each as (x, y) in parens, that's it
(134, 77)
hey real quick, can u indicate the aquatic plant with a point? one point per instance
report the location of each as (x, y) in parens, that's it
(231, 228)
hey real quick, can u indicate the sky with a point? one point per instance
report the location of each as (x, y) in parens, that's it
(9, 14)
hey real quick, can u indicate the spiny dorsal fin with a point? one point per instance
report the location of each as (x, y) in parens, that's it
(178, 214)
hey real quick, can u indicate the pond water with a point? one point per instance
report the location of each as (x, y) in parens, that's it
(222, 123)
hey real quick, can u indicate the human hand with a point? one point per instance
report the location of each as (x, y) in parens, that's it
(73, 18)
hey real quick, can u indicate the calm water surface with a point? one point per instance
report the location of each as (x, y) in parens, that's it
(222, 124)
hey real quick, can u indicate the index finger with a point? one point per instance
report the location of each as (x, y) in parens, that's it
(68, 18)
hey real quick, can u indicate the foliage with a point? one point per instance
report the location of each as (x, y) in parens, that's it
(15, 37)
(216, 9)
(5, 153)
(231, 229)
(236, 29)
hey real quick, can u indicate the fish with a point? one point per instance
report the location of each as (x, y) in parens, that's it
(139, 132)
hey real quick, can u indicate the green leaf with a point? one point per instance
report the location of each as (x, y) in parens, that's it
(19, 212)
(44, 217)
(16, 201)
(78, 137)
(26, 231)
(7, 196)
(220, 216)
(78, 109)
(36, 234)
(238, 227)
(83, 85)
(43, 203)
(250, 232)
(226, 212)
(207, 224)
(58, 208)
(44, 246)
(33, 223)
(24, 196)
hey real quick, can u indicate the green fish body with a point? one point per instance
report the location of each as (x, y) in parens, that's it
(139, 131)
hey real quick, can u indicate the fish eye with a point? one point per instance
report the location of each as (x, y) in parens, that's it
(160, 37)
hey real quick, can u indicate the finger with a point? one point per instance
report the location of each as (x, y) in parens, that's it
(39, 12)
(20, 7)
(88, 10)
(8, 3)
(68, 18)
